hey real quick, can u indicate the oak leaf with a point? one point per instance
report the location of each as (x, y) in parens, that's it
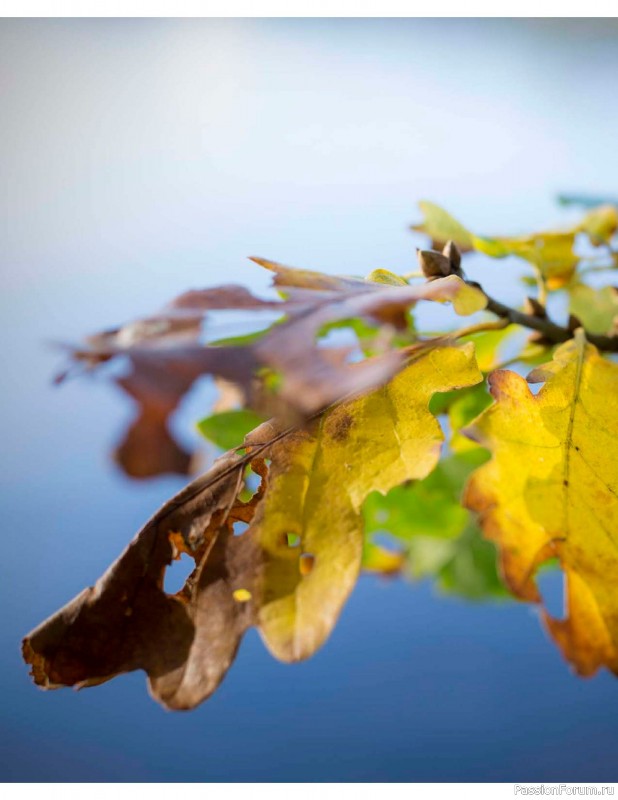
(371, 444)
(551, 490)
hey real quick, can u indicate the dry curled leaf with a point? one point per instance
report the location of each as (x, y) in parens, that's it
(166, 357)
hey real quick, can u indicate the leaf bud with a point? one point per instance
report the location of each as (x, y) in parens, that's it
(433, 264)
(451, 251)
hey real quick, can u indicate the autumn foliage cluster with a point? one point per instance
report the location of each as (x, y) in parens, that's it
(474, 456)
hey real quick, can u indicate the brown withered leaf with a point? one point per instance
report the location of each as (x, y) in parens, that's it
(126, 621)
(158, 381)
(289, 573)
(166, 357)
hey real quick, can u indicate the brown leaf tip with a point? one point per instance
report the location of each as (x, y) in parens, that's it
(37, 664)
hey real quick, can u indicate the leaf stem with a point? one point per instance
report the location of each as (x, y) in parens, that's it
(541, 288)
(481, 327)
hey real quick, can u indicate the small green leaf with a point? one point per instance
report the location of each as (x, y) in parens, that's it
(470, 571)
(229, 428)
(428, 507)
(461, 405)
(440, 539)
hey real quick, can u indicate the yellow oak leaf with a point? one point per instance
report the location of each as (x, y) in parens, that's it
(551, 490)
(318, 481)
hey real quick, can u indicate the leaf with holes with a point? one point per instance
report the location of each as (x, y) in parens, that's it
(289, 573)
(370, 444)
(551, 489)
(126, 621)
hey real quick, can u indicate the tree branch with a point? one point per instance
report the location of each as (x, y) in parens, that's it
(548, 329)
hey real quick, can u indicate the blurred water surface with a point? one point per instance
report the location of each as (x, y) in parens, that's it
(143, 157)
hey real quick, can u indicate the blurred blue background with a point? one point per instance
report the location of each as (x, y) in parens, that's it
(143, 157)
